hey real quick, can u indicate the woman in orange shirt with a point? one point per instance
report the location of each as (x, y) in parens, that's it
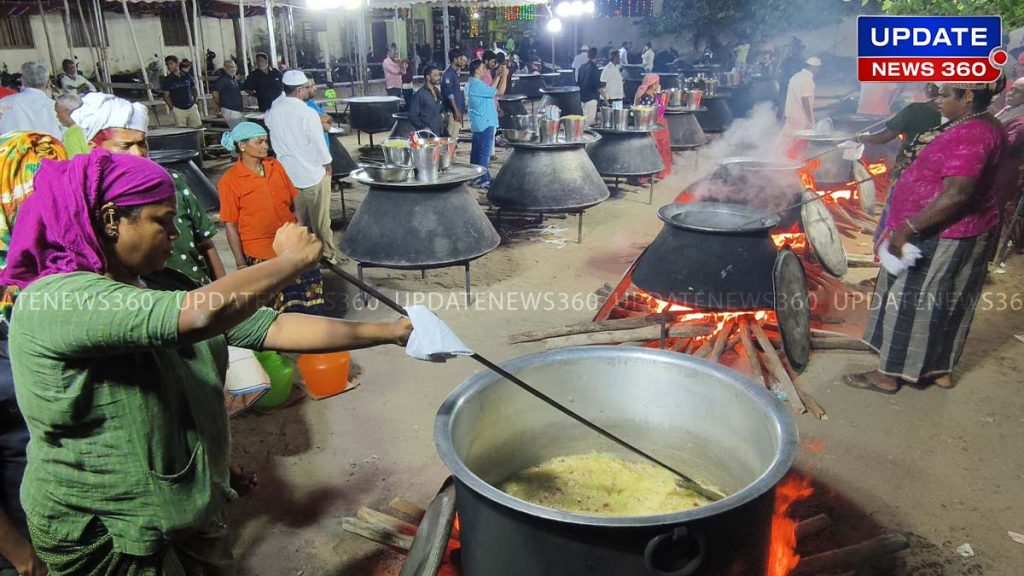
(256, 198)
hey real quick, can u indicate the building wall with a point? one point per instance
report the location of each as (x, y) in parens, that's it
(217, 34)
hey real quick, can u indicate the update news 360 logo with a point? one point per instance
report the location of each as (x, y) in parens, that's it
(929, 48)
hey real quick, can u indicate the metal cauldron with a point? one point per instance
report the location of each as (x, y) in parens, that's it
(567, 98)
(669, 80)
(373, 114)
(528, 85)
(402, 126)
(684, 131)
(629, 88)
(175, 138)
(341, 161)
(709, 421)
(566, 77)
(548, 178)
(183, 162)
(717, 116)
(713, 256)
(632, 72)
(823, 147)
(511, 105)
(762, 185)
(550, 79)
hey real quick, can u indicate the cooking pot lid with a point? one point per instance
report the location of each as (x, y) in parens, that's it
(431, 542)
(171, 131)
(526, 75)
(823, 236)
(792, 308)
(750, 163)
(814, 136)
(512, 97)
(865, 188)
(164, 157)
(717, 217)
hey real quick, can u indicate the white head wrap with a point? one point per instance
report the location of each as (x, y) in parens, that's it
(100, 111)
(814, 61)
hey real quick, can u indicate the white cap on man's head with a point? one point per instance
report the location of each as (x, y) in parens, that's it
(584, 48)
(814, 61)
(294, 78)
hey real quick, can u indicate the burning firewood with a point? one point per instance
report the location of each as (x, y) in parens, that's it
(376, 533)
(812, 525)
(624, 336)
(839, 344)
(777, 370)
(589, 327)
(748, 349)
(851, 557)
(720, 340)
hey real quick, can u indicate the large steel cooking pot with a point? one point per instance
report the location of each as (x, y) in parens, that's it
(528, 85)
(767, 186)
(708, 421)
(175, 138)
(831, 168)
(511, 106)
(373, 114)
(402, 127)
(567, 98)
(182, 163)
(713, 256)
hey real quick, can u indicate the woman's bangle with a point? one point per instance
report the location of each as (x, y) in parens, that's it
(912, 228)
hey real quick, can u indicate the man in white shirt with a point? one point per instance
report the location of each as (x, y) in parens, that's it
(647, 58)
(580, 60)
(623, 54)
(800, 98)
(71, 82)
(298, 139)
(32, 109)
(611, 82)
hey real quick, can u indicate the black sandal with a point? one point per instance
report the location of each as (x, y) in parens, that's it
(861, 381)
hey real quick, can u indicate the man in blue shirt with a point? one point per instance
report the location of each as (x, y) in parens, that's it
(483, 114)
(451, 91)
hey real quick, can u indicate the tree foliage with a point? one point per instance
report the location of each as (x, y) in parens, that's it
(1012, 11)
(725, 18)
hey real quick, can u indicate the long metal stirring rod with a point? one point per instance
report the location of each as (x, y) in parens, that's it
(861, 131)
(683, 480)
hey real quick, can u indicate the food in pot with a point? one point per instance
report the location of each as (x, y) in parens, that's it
(603, 485)
(573, 117)
(396, 143)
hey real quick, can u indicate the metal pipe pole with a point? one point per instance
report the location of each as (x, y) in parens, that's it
(293, 52)
(447, 34)
(88, 38)
(104, 40)
(197, 66)
(245, 40)
(327, 55)
(270, 33)
(67, 29)
(188, 28)
(361, 56)
(135, 41)
(46, 31)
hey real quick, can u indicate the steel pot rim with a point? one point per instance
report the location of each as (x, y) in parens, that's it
(754, 220)
(780, 466)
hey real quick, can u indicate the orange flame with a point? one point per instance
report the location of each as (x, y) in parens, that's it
(795, 240)
(782, 557)
(878, 168)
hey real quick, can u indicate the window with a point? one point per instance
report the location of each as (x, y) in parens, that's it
(15, 32)
(80, 35)
(173, 27)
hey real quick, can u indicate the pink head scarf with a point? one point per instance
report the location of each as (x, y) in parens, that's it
(56, 229)
(650, 79)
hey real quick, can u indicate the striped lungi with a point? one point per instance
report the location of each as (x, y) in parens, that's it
(919, 320)
(305, 295)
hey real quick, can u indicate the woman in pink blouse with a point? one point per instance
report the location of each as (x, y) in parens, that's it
(945, 203)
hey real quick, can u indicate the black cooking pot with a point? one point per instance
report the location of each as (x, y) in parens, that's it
(765, 186)
(668, 80)
(402, 126)
(712, 256)
(567, 98)
(341, 161)
(373, 114)
(706, 420)
(511, 105)
(632, 72)
(175, 138)
(550, 79)
(528, 85)
(629, 88)
(183, 162)
(566, 77)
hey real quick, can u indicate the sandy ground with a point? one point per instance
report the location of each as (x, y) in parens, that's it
(942, 466)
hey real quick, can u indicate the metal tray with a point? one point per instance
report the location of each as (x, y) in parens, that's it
(629, 131)
(683, 110)
(589, 137)
(455, 175)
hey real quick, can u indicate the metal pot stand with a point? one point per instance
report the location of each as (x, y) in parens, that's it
(420, 225)
(627, 153)
(792, 308)
(549, 178)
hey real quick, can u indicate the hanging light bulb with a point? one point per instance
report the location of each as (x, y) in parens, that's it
(554, 25)
(563, 9)
(577, 7)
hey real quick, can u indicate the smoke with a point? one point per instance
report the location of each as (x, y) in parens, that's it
(763, 181)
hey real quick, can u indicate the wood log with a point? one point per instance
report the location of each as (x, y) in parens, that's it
(812, 526)
(414, 512)
(858, 261)
(839, 344)
(748, 349)
(777, 370)
(815, 332)
(588, 328)
(375, 533)
(805, 396)
(720, 339)
(385, 522)
(851, 557)
(622, 336)
(840, 215)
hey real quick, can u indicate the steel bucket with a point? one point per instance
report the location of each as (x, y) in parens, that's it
(695, 98)
(574, 126)
(526, 122)
(644, 117)
(676, 98)
(397, 151)
(549, 131)
(620, 119)
(427, 161)
(607, 120)
(447, 146)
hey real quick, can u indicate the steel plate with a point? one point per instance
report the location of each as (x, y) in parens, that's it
(589, 137)
(600, 130)
(431, 542)
(792, 308)
(684, 110)
(823, 236)
(457, 174)
(813, 136)
(865, 187)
